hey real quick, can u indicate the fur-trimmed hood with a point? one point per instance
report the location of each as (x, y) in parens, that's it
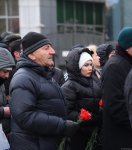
(72, 60)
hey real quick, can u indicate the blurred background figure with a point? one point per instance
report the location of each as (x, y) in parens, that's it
(8, 37)
(15, 49)
(13, 44)
(2, 36)
(105, 51)
(96, 59)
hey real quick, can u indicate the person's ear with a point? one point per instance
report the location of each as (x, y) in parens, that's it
(16, 54)
(32, 56)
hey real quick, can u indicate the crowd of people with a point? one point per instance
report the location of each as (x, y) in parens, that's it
(89, 108)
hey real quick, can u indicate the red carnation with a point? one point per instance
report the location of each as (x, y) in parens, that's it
(84, 115)
(101, 103)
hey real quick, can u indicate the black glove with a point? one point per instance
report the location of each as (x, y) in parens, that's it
(70, 128)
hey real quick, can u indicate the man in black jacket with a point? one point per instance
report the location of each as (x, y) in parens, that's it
(117, 129)
(37, 104)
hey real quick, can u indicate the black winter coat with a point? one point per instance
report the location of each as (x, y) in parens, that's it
(83, 95)
(81, 92)
(37, 107)
(117, 130)
(128, 94)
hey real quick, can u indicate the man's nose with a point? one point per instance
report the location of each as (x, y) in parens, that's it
(90, 67)
(52, 50)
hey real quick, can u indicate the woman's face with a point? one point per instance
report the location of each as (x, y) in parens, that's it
(87, 69)
(96, 60)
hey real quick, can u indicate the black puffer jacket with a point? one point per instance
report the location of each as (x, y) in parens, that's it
(81, 92)
(37, 107)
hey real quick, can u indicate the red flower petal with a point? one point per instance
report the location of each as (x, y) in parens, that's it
(84, 115)
(101, 103)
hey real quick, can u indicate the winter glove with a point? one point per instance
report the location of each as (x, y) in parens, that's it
(70, 128)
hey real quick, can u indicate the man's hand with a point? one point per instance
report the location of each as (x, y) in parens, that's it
(7, 113)
(71, 128)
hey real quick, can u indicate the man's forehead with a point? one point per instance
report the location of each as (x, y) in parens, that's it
(5, 69)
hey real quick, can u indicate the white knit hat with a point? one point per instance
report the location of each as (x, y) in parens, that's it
(83, 58)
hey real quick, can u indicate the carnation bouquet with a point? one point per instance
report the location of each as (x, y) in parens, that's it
(84, 115)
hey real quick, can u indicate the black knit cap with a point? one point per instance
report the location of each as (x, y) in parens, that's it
(33, 41)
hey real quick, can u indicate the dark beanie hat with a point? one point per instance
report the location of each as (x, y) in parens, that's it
(125, 38)
(4, 34)
(32, 41)
(6, 59)
(10, 38)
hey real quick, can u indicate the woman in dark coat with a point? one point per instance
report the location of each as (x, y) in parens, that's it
(82, 90)
(117, 129)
